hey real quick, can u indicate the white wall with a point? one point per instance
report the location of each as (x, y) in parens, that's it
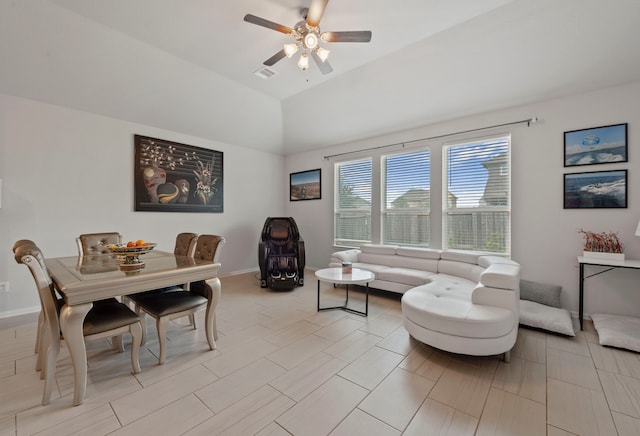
(67, 172)
(545, 238)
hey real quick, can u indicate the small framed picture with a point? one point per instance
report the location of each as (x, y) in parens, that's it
(305, 185)
(598, 145)
(600, 189)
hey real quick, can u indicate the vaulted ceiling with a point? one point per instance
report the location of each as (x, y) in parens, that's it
(188, 65)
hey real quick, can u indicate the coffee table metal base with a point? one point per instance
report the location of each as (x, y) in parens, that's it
(346, 307)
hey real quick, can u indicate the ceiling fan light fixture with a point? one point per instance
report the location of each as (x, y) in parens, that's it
(290, 49)
(311, 40)
(303, 62)
(323, 53)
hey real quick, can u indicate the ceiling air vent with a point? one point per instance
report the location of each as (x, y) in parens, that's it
(265, 73)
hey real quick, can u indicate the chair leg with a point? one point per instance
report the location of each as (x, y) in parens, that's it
(118, 343)
(39, 334)
(41, 342)
(41, 363)
(136, 338)
(161, 324)
(53, 349)
(192, 320)
(210, 327)
(143, 324)
(215, 327)
(507, 356)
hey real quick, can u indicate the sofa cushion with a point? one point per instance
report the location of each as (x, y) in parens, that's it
(452, 314)
(378, 249)
(455, 286)
(460, 269)
(485, 261)
(374, 268)
(460, 256)
(423, 253)
(405, 276)
(380, 259)
(501, 276)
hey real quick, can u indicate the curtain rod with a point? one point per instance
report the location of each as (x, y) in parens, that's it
(529, 121)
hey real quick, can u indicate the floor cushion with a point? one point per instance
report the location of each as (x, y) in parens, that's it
(618, 331)
(553, 319)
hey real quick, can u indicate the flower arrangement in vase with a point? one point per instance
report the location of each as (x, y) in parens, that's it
(205, 181)
(605, 245)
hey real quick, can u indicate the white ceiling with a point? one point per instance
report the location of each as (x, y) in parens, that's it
(428, 61)
(213, 34)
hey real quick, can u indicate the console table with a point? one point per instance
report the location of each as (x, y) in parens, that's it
(609, 265)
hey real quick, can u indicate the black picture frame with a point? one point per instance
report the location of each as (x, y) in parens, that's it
(174, 177)
(305, 185)
(596, 190)
(596, 145)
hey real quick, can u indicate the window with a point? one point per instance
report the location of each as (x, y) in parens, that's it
(477, 211)
(352, 214)
(407, 198)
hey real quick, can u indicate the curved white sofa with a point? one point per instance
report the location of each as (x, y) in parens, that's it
(461, 302)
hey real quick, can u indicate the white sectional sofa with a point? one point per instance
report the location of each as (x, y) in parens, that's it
(456, 301)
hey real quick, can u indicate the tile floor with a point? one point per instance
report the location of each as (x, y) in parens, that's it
(282, 368)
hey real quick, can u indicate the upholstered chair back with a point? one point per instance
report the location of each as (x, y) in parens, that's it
(208, 247)
(185, 244)
(96, 243)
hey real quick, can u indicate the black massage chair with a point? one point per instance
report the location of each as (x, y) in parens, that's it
(281, 254)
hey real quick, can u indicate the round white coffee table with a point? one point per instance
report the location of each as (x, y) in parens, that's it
(357, 277)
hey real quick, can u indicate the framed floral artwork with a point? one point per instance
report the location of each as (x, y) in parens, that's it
(174, 177)
(305, 185)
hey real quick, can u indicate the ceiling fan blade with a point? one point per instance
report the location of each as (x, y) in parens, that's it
(316, 10)
(349, 36)
(324, 67)
(275, 58)
(268, 24)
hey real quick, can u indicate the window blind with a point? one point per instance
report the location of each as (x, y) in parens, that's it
(407, 198)
(352, 209)
(478, 196)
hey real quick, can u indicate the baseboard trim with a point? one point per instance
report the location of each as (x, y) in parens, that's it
(18, 312)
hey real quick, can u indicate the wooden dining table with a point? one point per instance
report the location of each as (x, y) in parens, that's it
(83, 280)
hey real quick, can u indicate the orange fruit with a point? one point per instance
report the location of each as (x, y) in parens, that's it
(131, 244)
(140, 243)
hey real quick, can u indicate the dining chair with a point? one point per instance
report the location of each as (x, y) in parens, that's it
(185, 246)
(165, 306)
(41, 324)
(108, 319)
(96, 243)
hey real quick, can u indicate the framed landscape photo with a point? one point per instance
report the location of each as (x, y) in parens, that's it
(174, 177)
(600, 189)
(598, 145)
(305, 185)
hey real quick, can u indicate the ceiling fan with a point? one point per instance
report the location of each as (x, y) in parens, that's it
(308, 37)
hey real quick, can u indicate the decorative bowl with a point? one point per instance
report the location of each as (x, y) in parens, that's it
(122, 249)
(130, 260)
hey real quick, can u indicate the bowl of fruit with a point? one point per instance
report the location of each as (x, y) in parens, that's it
(130, 252)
